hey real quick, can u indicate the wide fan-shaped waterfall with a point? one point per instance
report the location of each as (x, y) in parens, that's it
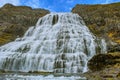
(60, 43)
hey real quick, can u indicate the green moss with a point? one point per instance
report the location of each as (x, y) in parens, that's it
(4, 38)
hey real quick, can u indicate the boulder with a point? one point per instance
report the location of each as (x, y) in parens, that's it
(101, 61)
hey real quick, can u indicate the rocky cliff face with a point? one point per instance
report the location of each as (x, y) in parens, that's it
(15, 20)
(103, 20)
(104, 67)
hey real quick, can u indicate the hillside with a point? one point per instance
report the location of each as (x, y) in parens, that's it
(103, 20)
(15, 20)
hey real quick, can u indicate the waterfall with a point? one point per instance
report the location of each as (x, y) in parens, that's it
(59, 43)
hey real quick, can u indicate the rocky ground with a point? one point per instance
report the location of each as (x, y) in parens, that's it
(15, 20)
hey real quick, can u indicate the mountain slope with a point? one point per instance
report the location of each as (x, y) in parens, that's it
(103, 20)
(15, 20)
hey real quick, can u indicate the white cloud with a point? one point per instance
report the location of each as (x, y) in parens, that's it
(51, 8)
(70, 8)
(108, 1)
(33, 3)
(14, 2)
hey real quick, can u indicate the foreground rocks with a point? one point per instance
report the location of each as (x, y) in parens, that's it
(110, 73)
(15, 20)
(104, 67)
(100, 61)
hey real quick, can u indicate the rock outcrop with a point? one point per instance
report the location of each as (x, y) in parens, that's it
(104, 67)
(15, 20)
(103, 20)
(100, 61)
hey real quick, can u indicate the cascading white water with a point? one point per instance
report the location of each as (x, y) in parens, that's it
(60, 43)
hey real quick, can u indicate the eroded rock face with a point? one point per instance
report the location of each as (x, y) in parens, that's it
(15, 20)
(101, 61)
(104, 67)
(103, 20)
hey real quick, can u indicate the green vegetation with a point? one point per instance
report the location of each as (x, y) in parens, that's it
(15, 20)
(103, 20)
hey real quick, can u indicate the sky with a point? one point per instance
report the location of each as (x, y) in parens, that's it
(55, 5)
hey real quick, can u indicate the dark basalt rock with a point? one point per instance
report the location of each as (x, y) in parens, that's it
(99, 62)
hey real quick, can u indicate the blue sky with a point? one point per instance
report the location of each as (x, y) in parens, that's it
(55, 5)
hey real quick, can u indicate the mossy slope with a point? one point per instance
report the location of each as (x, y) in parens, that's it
(15, 20)
(103, 20)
